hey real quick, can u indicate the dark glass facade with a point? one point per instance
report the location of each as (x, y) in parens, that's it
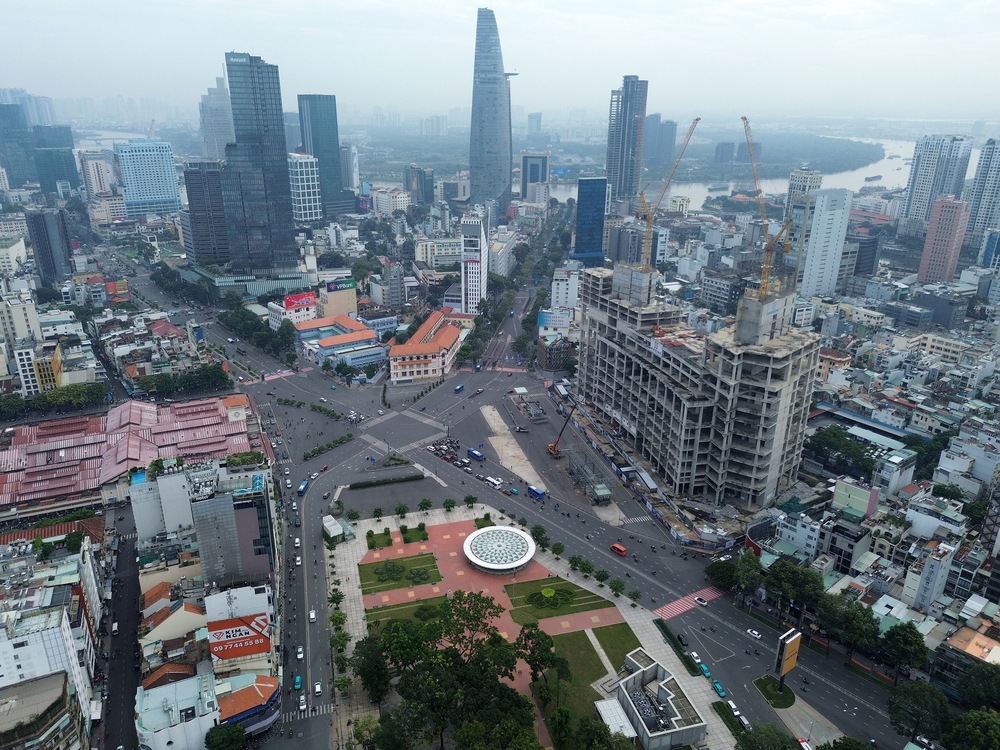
(591, 200)
(321, 139)
(490, 149)
(50, 242)
(207, 242)
(626, 133)
(15, 146)
(256, 193)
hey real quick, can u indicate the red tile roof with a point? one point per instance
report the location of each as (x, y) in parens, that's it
(167, 673)
(348, 338)
(247, 698)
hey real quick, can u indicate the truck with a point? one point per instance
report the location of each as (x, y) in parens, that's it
(474, 454)
(460, 387)
(303, 487)
(536, 492)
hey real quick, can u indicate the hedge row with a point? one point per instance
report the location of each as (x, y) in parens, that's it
(385, 480)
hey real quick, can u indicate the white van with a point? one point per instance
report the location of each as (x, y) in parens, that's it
(114, 628)
(732, 707)
(494, 483)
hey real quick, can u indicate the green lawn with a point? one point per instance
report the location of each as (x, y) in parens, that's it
(524, 613)
(616, 640)
(381, 615)
(371, 583)
(768, 687)
(379, 541)
(482, 522)
(576, 694)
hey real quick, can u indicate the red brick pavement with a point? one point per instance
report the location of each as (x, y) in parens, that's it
(445, 543)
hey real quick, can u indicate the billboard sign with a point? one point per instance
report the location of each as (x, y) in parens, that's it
(239, 636)
(116, 288)
(341, 285)
(788, 652)
(300, 301)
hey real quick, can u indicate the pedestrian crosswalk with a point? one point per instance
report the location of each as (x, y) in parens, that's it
(687, 603)
(323, 708)
(636, 519)
(132, 535)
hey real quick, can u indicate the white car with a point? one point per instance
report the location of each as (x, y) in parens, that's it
(380, 412)
(300, 654)
(753, 634)
(318, 688)
(314, 475)
(322, 399)
(702, 602)
(287, 472)
(695, 658)
(302, 703)
(298, 561)
(288, 483)
(312, 615)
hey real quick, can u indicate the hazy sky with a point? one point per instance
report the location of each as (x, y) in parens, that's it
(880, 58)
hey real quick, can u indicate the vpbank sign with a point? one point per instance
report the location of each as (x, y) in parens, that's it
(341, 285)
(239, 636)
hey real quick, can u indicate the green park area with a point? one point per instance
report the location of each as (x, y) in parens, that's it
(398, 573)
(532, 601)
(422, 610)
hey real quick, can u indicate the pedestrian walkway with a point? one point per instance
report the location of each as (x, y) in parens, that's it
(290, 716)
(636, 519)
(687, 603)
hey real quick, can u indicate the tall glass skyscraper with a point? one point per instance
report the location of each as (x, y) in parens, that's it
(490, 149)
(205, 237)
(321, 138)
(626, 133)
(938, 168)
(215, 116)
(591, 205)
(256, 193)
(50, 243)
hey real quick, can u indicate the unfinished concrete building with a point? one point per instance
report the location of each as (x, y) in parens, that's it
(721, 417)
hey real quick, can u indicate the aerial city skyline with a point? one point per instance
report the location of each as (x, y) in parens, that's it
(675, 405)
(350, 49)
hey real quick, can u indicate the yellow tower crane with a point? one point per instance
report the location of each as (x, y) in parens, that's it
(770, 243)
(649, 214)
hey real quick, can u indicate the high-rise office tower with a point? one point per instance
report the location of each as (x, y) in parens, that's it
(53, 155)
(591, 207)
(15, 146)
(725, 152)
(303, 175)
(419, 183)
(256, 193)
(939, 165)
(801, 181)
(149, 179)
(983, 196)
(626, 133)
(661, 139)
(321, 138)
(50, 244)
(98, 171)
(490, 149)
(475, 262)
(215, 115)
(869, 252)
(534, 169)
(743, 152)
(205, 238)
(534, 123)
(989, 251)
(350, 173)
(817, 233)
(943, 244)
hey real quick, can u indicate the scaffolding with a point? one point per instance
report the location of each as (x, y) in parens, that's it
(590, 473)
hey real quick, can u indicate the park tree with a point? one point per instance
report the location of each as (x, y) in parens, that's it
(536, 648)
(539, 535)
(860, 628)
(377, 514)
(980, 686)
(468, 621)
(617, 586)
(558, 548)
(471, 500)
(335, 598)
(561, 724)
(974, 730)
(225, 737)
(353, 515)
(574, 562)
(917, 707)
(748, 574)
(635, 595)
(765, 737)
(426, 504)
(586, 567)
(722, 574)
(365, 728)
(449, 505)
(369, 665)
(601, 576)
(402, 509)
(904, 646)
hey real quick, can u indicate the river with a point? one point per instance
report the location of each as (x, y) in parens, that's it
(895, 174)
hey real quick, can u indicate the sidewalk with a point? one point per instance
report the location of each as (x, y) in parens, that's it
(446, 532)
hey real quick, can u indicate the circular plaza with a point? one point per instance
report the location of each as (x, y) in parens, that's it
(499, 549)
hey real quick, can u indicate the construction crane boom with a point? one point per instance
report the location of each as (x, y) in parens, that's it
(553, 447)
(770, 243)
(650, 213)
